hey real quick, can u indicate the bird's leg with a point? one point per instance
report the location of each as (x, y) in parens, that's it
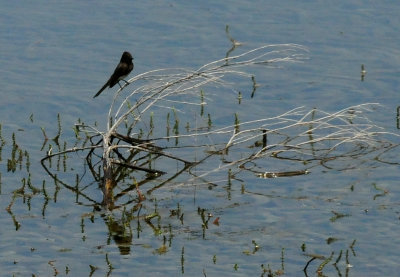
(126, 83)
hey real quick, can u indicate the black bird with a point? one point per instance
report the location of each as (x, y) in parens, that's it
(122, 70)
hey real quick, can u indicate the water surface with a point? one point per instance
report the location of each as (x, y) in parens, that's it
(56, 56)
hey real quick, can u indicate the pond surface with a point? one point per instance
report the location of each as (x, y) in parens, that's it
(55, 57)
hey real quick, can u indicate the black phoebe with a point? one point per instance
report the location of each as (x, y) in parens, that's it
(122, 70)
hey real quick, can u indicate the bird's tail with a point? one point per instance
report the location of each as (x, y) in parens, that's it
(103, 88)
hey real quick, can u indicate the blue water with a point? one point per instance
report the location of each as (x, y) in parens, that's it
(54, 58)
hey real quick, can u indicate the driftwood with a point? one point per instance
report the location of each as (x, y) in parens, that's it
(311, 136)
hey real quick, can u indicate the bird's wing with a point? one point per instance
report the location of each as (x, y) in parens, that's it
(120, 72)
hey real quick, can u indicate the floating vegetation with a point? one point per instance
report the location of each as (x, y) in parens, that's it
(234, 42)
(327, 260)
(337, 216)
